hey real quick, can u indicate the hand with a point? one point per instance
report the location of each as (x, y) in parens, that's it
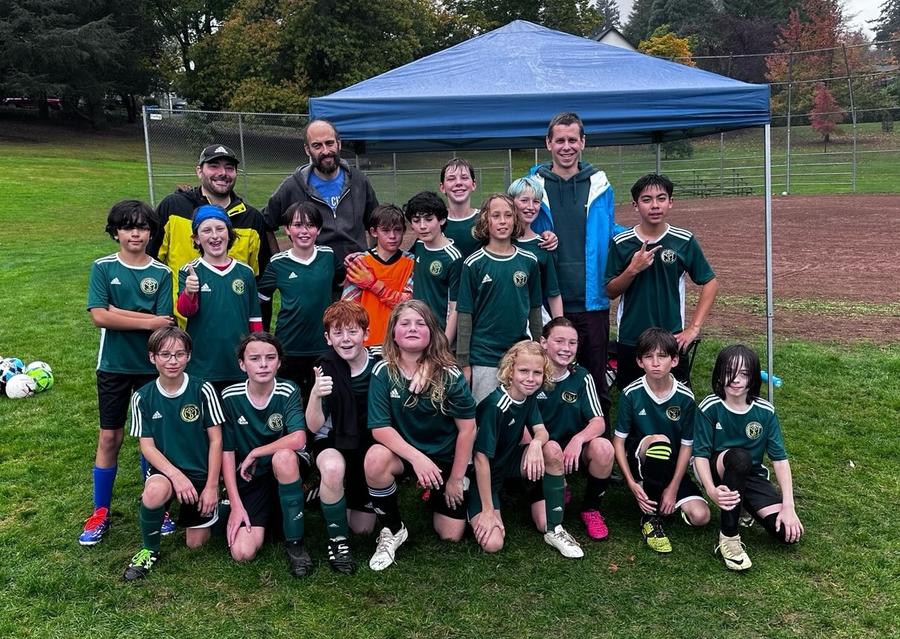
(420, 378)
(361, 274)
(668, 499)
(793, 529)
(549, 241)
(643, 259)
(208, 500)
(467, 375)
(159, 321)
(725, 498)
(323, 385)
(487, 521)
(237, 518)
(247, 466)
(454, 492)
(533, 461)
(192, 282)
(352, 256)
(647, 505)
(686, 337)
(184, 489)
(428, 475)
(572, 455)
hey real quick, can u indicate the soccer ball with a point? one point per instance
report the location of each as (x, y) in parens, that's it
(20, 386)
(38, 365)
(43, 378)
(9, 367)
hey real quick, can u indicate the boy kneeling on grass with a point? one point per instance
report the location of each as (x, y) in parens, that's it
(179, 421)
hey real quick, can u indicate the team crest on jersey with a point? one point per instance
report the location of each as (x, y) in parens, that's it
(667, 256)
(435, 268)
(520, 278)
(673, 413)
(753, 430)
(569, 397)
(275, 423)
(149, 286)
(190, 413)
(237, 286)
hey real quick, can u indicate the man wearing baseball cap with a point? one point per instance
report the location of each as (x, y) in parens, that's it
(217, 171)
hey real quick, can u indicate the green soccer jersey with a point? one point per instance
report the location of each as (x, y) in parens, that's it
(305, 288)
(756, 429)
(462, 234)
(145, 289)
(501, 423)
(228, 303)
(429, 429)
(178, 422)
(359, 386)
(248, 426)
(499, 292)
(546, 263)
(656, 296)
(641, 413)
(436, 277)
(569, 407)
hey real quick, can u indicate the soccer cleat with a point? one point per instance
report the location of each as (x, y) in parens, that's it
(595, 524)
(168, 526)
(95, 527)
(300, 561)
(733, 553)
(339, 557)
(140, 564)
(387, 546)
(655, 536)
(560, 539)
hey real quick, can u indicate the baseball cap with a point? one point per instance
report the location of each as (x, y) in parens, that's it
(216, 151)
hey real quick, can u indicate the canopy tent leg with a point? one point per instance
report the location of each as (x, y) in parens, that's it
(770, 306)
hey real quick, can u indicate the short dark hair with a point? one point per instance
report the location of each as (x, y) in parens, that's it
(565, 119)
(656, 339)
(260, 336)
(388, 216)
(129, 214)
(307, 212)
(162, 335)
(426, 203)
(726, 368)
(651, 179)
(337, 136)
(456, 163)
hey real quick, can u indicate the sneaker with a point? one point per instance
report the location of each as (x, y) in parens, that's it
(733, 553)
(655, 536)
(595, 524)
(140, 564)
(168, 526)
(300, 561)
(564, 543)
(339, 556)
(95, 527)
(386, 548)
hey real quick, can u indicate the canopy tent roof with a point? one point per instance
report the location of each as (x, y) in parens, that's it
(499, 90)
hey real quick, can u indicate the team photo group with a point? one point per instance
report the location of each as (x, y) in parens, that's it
(474, 363)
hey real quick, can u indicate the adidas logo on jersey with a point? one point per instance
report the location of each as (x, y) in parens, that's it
(242, 420)
(292, 276)
(157, 415)
(542, 395)
(486, 279)
(395, 394)
(205, 288)
(718, 426)
(115, 281)
(643, 412)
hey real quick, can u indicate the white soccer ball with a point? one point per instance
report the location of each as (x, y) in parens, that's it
(784, 192)
(38, 365)
(20, 386)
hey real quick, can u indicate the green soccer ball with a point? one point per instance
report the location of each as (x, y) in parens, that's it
(43, 379)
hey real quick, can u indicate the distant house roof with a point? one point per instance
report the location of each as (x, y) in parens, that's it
(614, 37)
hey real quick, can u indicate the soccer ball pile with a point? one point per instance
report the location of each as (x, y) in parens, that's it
(19, 380)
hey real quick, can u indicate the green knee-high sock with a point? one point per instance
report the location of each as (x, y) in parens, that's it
(151, 522)
(291, 498)
(554, 495)
(335, 518)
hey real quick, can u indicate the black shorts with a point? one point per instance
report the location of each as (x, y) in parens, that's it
(687, 489)
(114, 391)
(436, 501)
(356, 491)
(188, 515)
(758, 493)
(299, 369)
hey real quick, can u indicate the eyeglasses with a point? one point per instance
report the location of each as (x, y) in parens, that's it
(166, 355)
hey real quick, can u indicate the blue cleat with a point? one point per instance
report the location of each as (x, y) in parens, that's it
(168, 526)
(95, 527)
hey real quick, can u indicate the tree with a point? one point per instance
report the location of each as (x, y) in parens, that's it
(665, 44)
(579, 17)
(684, 17)
(638, 27)
(887, 25)
(609, 11)
(825, 114)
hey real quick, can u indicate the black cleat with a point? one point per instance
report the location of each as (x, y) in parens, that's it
(298, 558)
(339, 556)
(140, 564)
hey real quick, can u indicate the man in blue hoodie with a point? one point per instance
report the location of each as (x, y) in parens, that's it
(578, 206)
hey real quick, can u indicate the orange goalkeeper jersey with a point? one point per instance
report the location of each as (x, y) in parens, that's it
(396, 274)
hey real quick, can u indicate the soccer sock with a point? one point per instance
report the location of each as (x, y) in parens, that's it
(387, 507)
(291, 497)
(151, 522)
(593, 492)
(104, 478)
(335, 518)
(768, 523)
(737, 464)
(145, 466)
(657, 469)
(554, 496)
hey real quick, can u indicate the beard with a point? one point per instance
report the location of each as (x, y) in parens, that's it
(327, 163)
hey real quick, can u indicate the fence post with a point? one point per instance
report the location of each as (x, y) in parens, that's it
(147, 153)
(722, 163)
(509, 171)
(394, 173)
(246, 187)
(787, 155)
(658, 158)
(853, 118)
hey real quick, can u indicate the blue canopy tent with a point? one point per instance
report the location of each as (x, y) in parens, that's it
(499, 90)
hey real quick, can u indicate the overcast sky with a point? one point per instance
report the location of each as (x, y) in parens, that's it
(864, 10)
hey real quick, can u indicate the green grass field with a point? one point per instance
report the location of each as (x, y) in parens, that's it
(839, 408)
